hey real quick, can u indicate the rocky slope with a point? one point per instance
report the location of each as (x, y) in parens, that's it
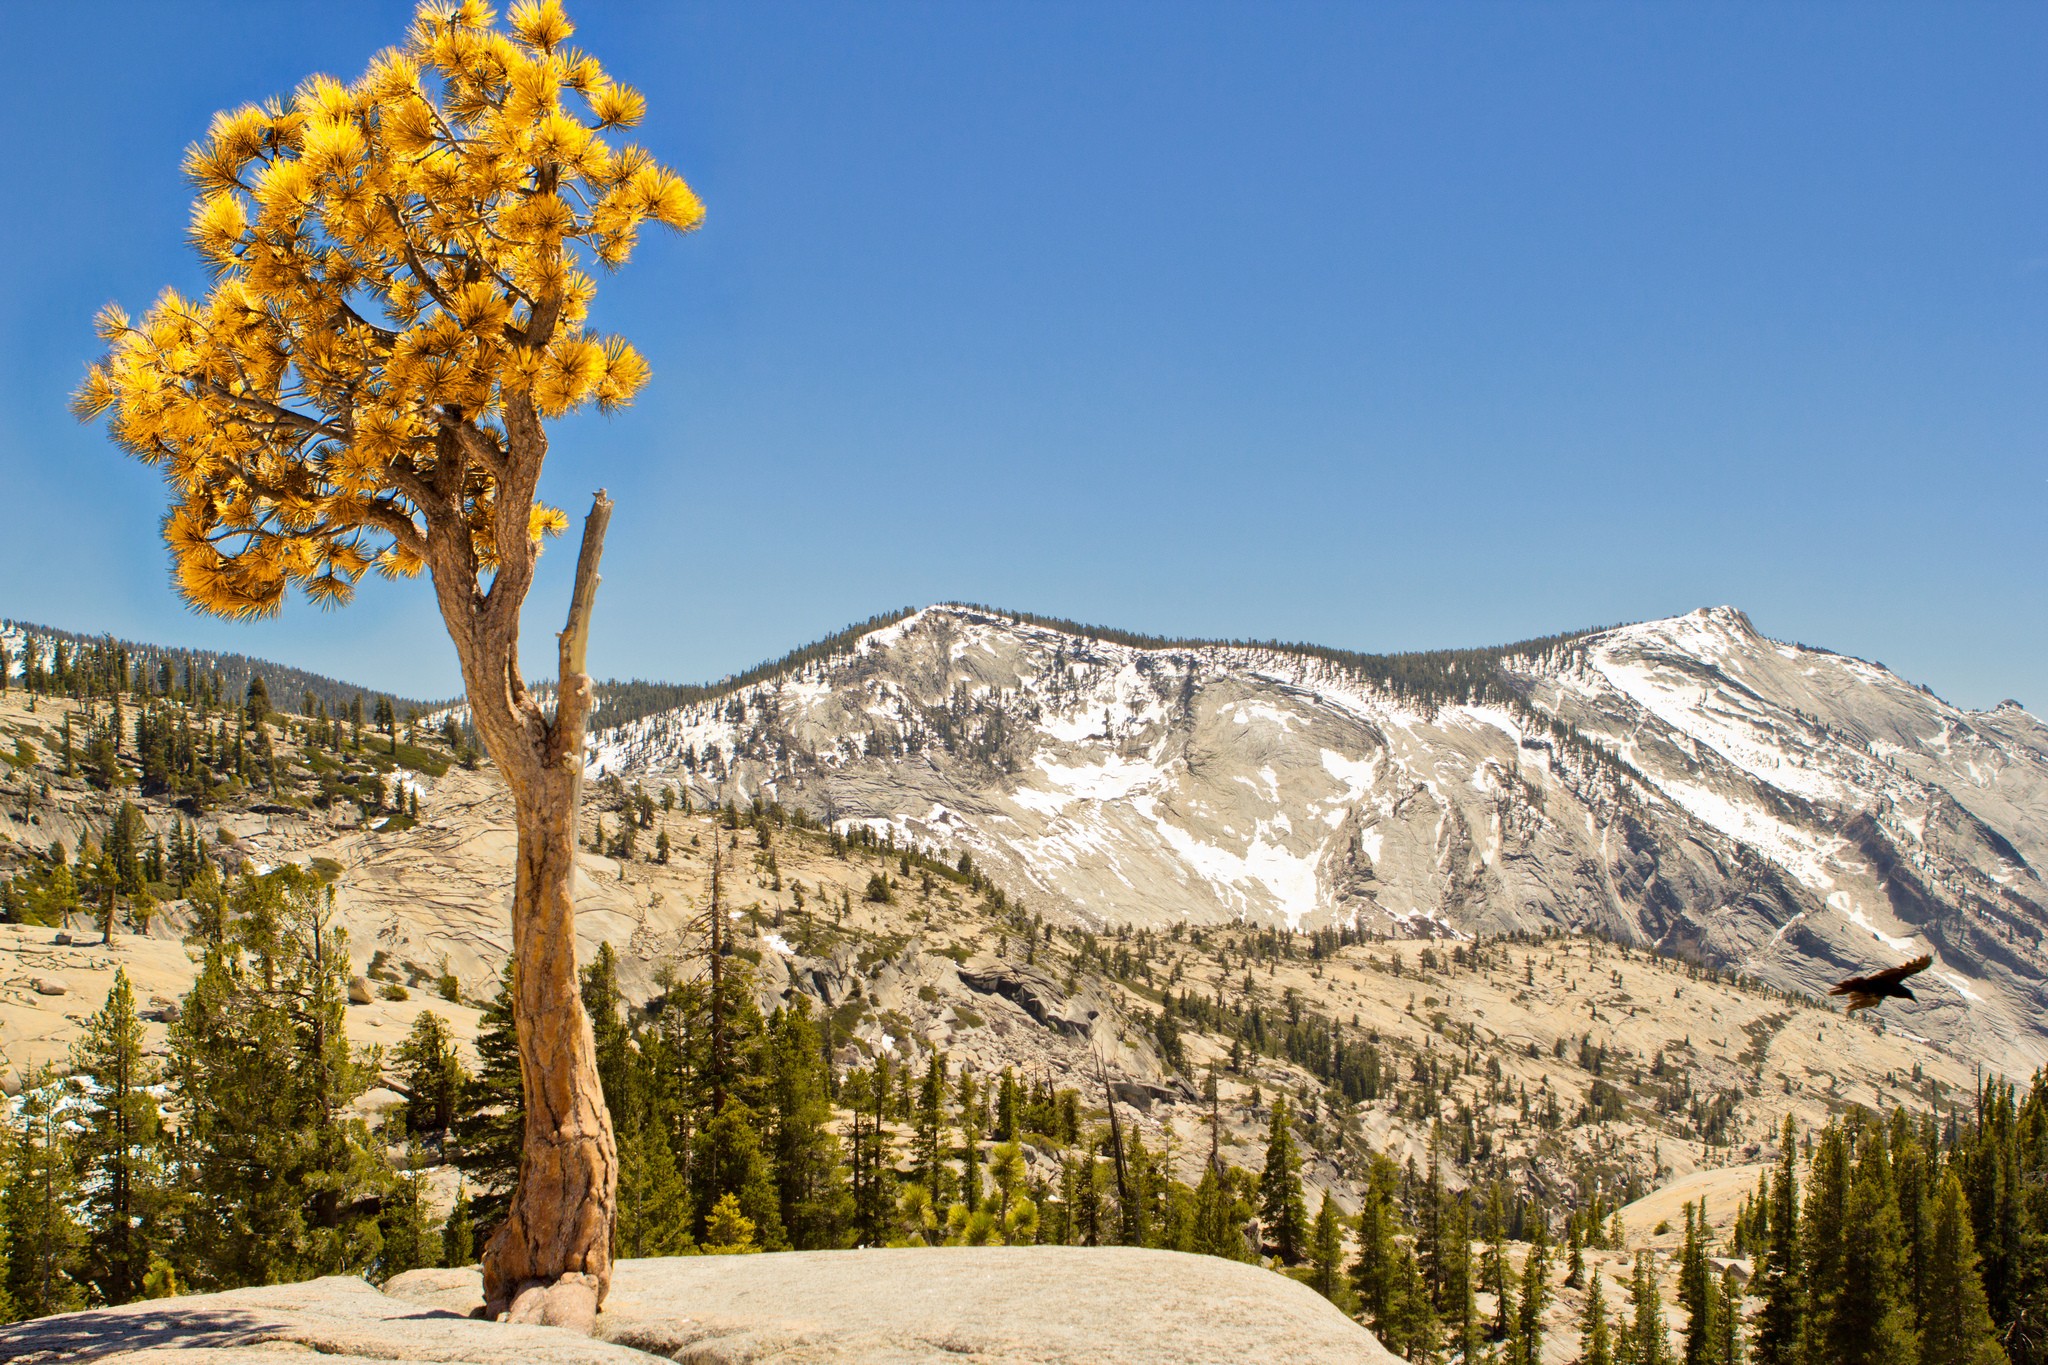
(1785, 811)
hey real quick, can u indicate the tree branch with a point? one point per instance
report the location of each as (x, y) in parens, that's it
(572, 705)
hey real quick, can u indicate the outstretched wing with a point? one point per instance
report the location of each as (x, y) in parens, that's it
(1876, 983)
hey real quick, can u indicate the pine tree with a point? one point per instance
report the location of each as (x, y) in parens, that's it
(432, 1078)
(728, 1231)
(1957, 1327)
(1646, 1336)
(1283, 1211)
(490, 1122)
(125, 1194)
(930, 1125)
(409, 1241)
(43, 1242)
(1594, 1346)
(474, 345)
(280, 1171)
(813, 1201)
(458, 1233)
(1535, 1294)
(1326, 1255)
(1862, 1315)
(1698, 1292)
(1780, 1279)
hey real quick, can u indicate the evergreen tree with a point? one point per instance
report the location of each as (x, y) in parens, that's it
(1594, 1347)
(813, 1201)
(1780, 1279)
(1698, 1292)
(1535, 1294)
(1956, 1328)
(280, 1173)
(930, 1125)
(432, 1078)
(124, 1191)
(1647, 1344)
(1283, 1212)
(409, 1241)
(1863, 1316)
(43, 1242)
(458, 1233)
(1326, 1255)
(490, 1123)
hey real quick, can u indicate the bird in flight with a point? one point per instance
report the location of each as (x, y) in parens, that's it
(1889, 984)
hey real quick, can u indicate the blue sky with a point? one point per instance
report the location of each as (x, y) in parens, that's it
(1383, 326)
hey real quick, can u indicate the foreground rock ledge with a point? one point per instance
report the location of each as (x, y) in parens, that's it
(1016, 1306)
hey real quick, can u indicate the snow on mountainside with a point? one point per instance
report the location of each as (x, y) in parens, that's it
(1783, 810)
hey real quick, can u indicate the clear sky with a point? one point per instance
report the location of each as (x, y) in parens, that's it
(1383, 326)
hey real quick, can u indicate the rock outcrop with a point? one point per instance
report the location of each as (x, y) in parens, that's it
(993, 1305)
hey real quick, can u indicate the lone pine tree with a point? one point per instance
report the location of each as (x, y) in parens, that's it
(400, 307)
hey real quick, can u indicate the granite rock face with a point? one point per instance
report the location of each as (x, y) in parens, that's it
(1782, 810)
(340, 1320)
(995, 1306)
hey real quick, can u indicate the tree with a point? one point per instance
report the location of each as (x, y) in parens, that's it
(1779, 1277)
(119, 1149)
(1326, 1255)
(491, 1119)
(1283, 1212)
(399, 311)
(1594, 1348)
(1535, 1294)
(42, 1239)
(1956, 1328)
(431, 1077)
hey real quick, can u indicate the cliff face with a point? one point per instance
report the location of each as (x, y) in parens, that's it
(1794, 813)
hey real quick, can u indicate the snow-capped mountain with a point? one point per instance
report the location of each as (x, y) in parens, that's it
(1781, 810)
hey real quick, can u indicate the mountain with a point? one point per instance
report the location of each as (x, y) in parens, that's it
(1780, 810)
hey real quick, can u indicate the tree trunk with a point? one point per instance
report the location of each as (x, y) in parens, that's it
(550, 1261)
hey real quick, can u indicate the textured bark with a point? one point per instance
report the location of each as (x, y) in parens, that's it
(550, 1261)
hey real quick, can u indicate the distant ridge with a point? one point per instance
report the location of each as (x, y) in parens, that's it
(287, 685)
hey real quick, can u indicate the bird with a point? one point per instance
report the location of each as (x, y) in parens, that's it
(1889, 984)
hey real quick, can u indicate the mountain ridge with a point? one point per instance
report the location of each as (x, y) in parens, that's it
(1687, 783)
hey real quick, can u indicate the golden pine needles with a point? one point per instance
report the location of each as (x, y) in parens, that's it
(400, 298)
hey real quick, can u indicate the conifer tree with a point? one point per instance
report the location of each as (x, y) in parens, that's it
(1535, 1294)
(1594, 1346)
(1780, 1280)
(124, 1191)
(490, 1123)
(42, 1241)
(1956, 1328)
(1647, 1344)
(369, 384)
(1863, 1316)
(1326, 1255)
(812, 1198)
(1497, 1275)
(277, 1167)
(1283, 1212)
(432, 1078)
(930, 1124)
(458, 1233)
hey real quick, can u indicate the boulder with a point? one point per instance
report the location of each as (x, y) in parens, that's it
(359, 991)
(51, 985)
